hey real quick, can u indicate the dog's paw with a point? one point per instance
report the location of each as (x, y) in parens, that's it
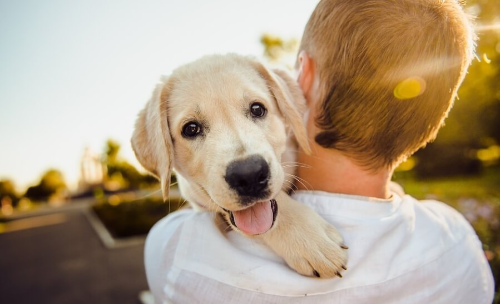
(320, 253)
(307, 243)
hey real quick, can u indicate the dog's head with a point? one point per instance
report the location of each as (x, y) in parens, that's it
(221, 122)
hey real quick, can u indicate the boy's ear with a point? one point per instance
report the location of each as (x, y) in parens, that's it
(151, 140)
(290, 101)
(306, 73)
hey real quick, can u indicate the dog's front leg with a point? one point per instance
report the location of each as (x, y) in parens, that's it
(309, 244)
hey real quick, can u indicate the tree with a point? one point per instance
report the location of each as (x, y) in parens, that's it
(52, 183)
(278, 50)
(112, 150)
(480, 87)
(8, 192)
(474, 121)
(122, 173)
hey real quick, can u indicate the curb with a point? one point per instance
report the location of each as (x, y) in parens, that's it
(106, 238)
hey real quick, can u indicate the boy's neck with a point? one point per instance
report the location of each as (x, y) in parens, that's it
(330, 171)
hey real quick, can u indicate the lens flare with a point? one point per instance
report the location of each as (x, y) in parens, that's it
(487, 27)
(409, 88)
(486, 59)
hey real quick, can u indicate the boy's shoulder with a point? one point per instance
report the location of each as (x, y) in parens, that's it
(442, 214)
(434, 210)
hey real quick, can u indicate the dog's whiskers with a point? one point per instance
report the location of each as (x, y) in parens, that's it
(288, 183)
(147, 195)
(291, 186)
(295, 164)
(300, 180)
(184, 201)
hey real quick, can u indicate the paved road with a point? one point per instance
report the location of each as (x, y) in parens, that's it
(58, 258)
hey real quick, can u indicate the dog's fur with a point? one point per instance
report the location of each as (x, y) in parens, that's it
(217, 92)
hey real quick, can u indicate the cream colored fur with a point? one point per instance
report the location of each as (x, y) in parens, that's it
(218, 90)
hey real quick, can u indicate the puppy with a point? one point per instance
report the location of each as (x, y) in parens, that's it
(228, 126)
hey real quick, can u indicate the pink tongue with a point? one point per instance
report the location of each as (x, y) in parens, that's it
(256, 219)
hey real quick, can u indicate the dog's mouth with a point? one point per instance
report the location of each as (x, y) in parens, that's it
(256, 219)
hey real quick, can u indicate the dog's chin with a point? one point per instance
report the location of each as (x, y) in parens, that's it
(254, 220)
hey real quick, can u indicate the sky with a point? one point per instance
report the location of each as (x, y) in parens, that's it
(76, 73)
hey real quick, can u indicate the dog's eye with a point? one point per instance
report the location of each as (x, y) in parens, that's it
(191, 129)
(257, 109)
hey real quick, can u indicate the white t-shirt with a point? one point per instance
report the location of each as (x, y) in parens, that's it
(400, 251)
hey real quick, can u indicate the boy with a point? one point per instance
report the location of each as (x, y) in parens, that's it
(379, 78)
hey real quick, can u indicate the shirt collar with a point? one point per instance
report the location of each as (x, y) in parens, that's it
(345, 205)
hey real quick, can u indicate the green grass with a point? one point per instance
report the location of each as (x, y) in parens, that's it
(450, 190)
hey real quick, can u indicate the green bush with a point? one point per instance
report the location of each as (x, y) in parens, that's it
(444, 160)
(134, 217)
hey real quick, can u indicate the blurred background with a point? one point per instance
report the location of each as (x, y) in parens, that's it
(75, 206)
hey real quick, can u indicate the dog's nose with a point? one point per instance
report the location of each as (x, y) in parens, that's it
(249, 177)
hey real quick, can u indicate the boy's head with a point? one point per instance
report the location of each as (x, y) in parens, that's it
(388, 71)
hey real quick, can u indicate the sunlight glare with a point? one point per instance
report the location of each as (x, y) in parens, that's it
(409, 88)
(487, 27)
(486, 59)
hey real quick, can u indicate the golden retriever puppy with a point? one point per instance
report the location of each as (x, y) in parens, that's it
(227, 125)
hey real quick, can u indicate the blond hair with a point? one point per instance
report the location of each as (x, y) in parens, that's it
(389, 71)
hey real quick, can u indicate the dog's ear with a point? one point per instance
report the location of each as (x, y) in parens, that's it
(151, 140)
(290, 100)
